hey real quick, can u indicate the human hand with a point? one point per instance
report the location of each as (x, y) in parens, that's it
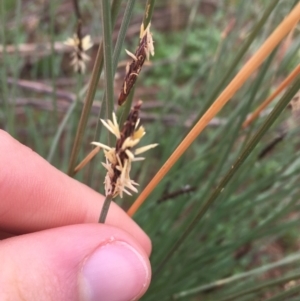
(52, 247)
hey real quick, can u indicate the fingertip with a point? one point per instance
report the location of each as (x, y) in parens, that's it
(131, 226)
(93, 261)
(115, 271)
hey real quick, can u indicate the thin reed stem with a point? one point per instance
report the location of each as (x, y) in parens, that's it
(148, 12)
(87, 159)
(292, 259)
(107, 54)
(117, 51)
(123, 111)
(105, 208)
(228, 74)
(259, 287)
(279, 89)
(122, 33)
(59, 131)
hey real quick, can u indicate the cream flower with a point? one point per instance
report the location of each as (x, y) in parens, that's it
(119, 159)
(79, 57)
(149, 40)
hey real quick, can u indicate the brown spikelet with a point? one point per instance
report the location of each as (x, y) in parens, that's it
(129, 125)
(133, 70)
(127, 131)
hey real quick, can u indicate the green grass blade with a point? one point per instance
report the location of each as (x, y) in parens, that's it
(124, 110)
(240, 160)
(230, 70)
(59, 131)
(219, 283)
(262, 286)
(122, 33)
(148, 12)
(107, 56)
(105, 209)
(117, 51)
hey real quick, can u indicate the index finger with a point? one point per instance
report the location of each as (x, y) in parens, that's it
(34, 196)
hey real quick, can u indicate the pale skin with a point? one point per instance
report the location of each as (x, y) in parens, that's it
(52, 247)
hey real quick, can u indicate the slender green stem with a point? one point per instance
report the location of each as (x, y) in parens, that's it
(107, 53)
(234, 168)
(59, 131)
(108, 65)
(86, 109)
(123, 111)
(148, 12)
(90, 95)
(66, 118)
(77, 9)
(113, 65)
(119, 44)
(258, 288)
(117, 51)
(122, 33)
(292, 259)
(121, 36)
(226, 77)
(105, 208)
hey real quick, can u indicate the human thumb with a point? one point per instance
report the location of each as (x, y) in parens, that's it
(86, 262)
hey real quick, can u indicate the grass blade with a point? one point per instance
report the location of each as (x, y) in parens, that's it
(107, 55)
(288, 260)
(239, 56)
(148, 12)
(246, 152)
(117, 51)
(262, 286)
(279, 89)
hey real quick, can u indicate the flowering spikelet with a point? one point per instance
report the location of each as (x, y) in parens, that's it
(143, 51)
(78, 55)
(149, 40)
(119, 158)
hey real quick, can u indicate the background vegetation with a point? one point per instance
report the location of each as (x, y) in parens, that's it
(245, 246)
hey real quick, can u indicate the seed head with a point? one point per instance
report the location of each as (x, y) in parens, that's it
(120, 158)
(133, 69)
(78, 55)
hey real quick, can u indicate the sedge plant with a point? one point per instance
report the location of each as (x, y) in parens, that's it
(215, 199)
